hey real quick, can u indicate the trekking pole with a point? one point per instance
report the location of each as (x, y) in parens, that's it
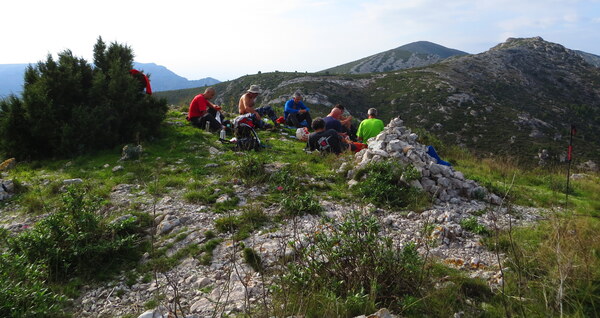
(569, 158)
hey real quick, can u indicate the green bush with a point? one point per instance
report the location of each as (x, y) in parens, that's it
(470, 224)
(23, 289)
(353, 265)
(74, 241)
(70, 107)
(386, 183)
(302, 204)
(250, 168)
(253, 259)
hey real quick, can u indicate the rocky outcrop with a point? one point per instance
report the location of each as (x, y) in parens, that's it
(7, 189)
(396, 142)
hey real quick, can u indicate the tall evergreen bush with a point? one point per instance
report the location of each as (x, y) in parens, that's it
(70, 107)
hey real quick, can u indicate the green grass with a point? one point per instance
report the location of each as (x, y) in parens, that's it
(530, 185)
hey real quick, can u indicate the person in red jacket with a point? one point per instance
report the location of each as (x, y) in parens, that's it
(199, 115)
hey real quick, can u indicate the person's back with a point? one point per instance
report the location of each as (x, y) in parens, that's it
(326, 141)
(370, 127)
(332, 123)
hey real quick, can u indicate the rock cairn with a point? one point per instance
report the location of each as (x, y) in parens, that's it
(396, 142)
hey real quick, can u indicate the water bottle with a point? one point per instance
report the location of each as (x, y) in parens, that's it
(222, 134)
(207, 126)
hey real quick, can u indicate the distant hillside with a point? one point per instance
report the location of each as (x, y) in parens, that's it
(161, 78)
(590, 58)
(416, 54)
(515, 99)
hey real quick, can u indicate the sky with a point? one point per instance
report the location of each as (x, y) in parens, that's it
(226, 39)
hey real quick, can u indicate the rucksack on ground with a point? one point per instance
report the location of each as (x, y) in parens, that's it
(243, 129)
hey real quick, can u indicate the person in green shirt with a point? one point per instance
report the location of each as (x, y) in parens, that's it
(370, 127)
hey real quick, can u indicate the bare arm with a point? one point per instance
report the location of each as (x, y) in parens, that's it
(247, 106)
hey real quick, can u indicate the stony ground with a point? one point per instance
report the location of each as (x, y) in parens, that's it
(229, 285)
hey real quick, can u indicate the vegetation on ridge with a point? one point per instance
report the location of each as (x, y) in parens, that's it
(69, 107)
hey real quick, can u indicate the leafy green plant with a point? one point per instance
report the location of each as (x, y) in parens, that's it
(75, 242)
(470, 224)
(386, 183)
(252, 258)
(23, 289)
(303, 204)
(353, 263)
(250, 168)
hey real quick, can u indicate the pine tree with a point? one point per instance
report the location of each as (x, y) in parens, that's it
(70, 107)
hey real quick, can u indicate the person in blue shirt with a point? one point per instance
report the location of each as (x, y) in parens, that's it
(295, 112)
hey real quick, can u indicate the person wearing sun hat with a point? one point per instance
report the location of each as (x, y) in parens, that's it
(246, 106)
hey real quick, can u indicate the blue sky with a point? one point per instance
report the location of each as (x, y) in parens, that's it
(226, 39)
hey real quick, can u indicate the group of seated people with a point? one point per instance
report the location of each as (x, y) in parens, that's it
(333, 133)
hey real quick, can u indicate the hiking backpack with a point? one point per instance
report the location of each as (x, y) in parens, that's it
(247, 138)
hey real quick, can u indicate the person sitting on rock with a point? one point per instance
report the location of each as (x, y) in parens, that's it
(295, 112)
(246, 106)
(370, 127)
(198, 114)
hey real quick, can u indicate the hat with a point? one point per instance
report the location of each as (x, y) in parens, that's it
(254, 89)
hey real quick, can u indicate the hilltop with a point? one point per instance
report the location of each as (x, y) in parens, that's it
(514, 99)
(227, 232)
(415, 54)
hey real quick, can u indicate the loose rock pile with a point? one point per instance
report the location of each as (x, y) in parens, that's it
(396, 142)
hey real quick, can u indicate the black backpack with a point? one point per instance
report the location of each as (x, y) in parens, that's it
(247, 138)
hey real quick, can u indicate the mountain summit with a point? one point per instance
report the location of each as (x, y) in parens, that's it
(416, 54)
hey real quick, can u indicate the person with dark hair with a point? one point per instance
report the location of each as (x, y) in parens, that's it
(325, 140)
(295, 112)
(198, 114)
(370, 127)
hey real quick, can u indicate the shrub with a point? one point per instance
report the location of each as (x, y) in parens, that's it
(69, 106)
(387, 183)
(351, 266)
(23, 290)
(471, 225)
(250, 168)
(253, 259)
(300, 205)
(74, 242)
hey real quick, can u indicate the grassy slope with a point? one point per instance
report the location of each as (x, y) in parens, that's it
(179, 156)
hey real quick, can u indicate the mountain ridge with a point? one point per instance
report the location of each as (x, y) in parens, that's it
(415, 54)
(515, 99)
